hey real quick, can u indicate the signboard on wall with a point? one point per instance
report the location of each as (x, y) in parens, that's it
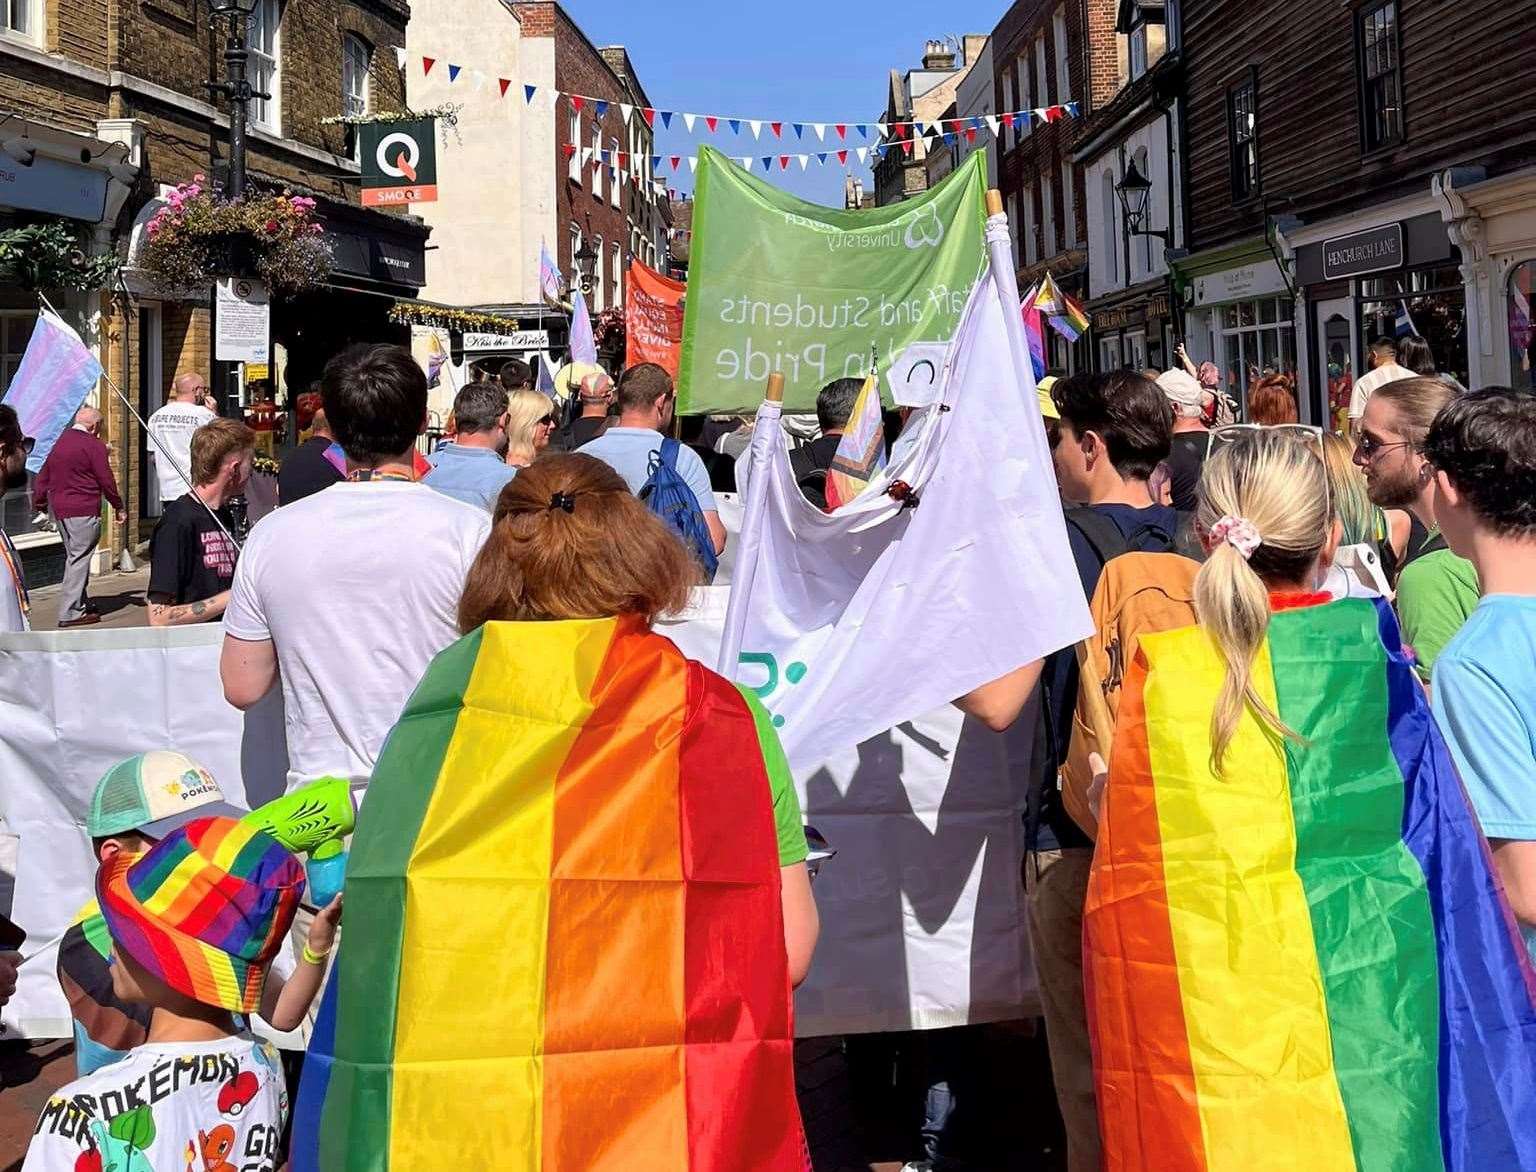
(399, 161)
(1371, 251)
(242, 321)
(1260, 279)
(517, 340)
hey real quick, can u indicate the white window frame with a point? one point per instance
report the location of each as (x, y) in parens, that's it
(1044, 83)
(1031, 250)
(1063, 70)
(266, 67)
(22, 20)
(573, 133)
(618, 274)
(1010, 100)
(1134, 352)
(356, 87)
(597, 159)
(599, 275)
(615, 176)
(1048, 245)
(1112, 232)
(1026, 96)
(1068, 206)
(1111, 353)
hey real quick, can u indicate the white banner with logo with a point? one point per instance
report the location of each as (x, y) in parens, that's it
(921, 910)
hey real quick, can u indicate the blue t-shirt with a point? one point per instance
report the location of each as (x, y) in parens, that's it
(1485, 699)
(475, 476)
(627, 450)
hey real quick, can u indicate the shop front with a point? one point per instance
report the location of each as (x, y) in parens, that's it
(1240, 316)
(1387, 272)
(1133, 330)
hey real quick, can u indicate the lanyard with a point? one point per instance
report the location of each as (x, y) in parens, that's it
(363, 475)
(13, 562)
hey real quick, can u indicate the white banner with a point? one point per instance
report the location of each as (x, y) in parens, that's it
(921, 910)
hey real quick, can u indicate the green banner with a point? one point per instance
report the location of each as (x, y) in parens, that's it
(777, 284)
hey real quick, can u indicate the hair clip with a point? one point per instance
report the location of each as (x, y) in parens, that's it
(563, 500)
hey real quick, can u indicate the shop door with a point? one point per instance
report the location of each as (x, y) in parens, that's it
(1327, 403)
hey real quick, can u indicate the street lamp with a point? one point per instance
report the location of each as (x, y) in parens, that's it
(1133, 191)
(235, 87)
(586, 260)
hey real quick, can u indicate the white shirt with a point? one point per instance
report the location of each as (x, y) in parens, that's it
(12, 618)
(171, 429)
(224, 1100)
(1367, 385)
(358, 588)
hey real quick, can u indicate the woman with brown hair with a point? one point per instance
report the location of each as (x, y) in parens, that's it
(1272, 400)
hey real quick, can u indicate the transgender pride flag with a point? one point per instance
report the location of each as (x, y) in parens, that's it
(56, 374)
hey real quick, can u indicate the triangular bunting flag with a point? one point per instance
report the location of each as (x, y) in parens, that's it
(783, 162)
(757, 127)
(821, 131)
(426, 65)
(503, 82)
(649, 115)
(625, 110)
(906, 146)
(804, 161)
(712, 122)
(735, 125)
(918, 126)
(767, 162)
(1072, 109)
(777, 128)
(745, 162)
(842, 131)
(976, 123)
(863, 153)
(528, 92)
(693, 163)
(570, 149)
(453, 71)
(624, 159)
(655, 162)
(864, 130)
(599, 110)
(399, 56)
(688, 122)
(799, 129)
(1039, 114)
(949, 138)
(666, 119)
(821, 157)
(1053, 113)
(577, 101)
(676, 160)
(970, 134)
(1008, 120)
(992, 123)
(842, 156)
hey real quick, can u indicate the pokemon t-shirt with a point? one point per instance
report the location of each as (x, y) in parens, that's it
(204, 1106)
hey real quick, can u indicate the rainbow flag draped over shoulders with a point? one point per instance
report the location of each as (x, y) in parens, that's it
(1305, 962)
(564, 946)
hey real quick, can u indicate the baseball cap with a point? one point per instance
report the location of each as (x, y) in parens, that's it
(1181, 388)
(204, 909)
(155, 793)
(1043, 392)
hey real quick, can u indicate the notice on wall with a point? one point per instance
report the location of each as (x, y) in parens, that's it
(242, 321)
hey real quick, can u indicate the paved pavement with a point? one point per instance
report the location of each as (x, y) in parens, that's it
(119, 597)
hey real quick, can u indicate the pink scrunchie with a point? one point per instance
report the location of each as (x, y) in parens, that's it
(1238, 532)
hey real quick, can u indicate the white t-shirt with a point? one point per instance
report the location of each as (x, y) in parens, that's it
(358, 588)
(12, 618)
(171, 429)
(1367, 384)
(224, 1101)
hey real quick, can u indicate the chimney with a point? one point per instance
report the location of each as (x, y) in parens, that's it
(938, 56)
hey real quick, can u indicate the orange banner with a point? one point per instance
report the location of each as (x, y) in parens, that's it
(653, 318)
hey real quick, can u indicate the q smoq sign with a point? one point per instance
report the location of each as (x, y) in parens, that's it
(399, 162)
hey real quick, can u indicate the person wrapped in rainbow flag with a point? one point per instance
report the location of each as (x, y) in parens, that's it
(1297, 954)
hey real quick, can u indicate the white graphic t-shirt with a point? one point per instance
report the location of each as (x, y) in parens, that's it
(166, 1107)
(171, 429)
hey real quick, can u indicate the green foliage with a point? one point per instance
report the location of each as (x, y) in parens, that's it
(53, 254)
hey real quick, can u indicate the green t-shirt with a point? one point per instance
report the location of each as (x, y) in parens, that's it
(1435, 594)
(787, 822)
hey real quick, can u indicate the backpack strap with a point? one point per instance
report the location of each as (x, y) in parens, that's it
(668, 452)
(1102, 535)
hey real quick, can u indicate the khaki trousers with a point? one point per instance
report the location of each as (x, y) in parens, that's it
(1057, 888)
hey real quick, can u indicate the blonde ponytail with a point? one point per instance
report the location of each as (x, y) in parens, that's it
(1272, 485)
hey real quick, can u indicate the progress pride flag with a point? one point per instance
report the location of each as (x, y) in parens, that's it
(653, 318)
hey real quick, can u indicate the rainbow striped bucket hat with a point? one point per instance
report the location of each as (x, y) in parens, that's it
(204, 909)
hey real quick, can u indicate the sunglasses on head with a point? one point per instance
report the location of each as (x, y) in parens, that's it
(1306, 433)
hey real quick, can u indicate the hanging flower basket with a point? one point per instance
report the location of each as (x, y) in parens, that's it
(199, 236)
(608, 332)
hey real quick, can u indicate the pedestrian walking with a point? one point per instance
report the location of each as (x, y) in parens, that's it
(170, 432)
(74, 480)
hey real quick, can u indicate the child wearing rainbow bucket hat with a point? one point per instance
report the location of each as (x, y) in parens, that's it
(194, 923)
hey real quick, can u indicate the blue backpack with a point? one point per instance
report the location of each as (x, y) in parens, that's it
(667, 495)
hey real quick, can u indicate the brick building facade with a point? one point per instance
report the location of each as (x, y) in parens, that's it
(111, 97)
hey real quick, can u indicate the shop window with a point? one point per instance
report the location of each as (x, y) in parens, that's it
(573, 136)
(597, 160)
(1043, 82)
(264, 37)
(1243, 136)
(1381, 104)
(1429, 302)
(1110, 357)
(1145, 36)
(1522, 339)
(1255, 338)
(1134, 353)
(1059, 40)
(19, 18)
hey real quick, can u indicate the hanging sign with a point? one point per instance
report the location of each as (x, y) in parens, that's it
(516, 340)
(399, 162)
(242, 321)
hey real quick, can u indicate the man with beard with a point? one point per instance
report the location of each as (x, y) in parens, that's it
(1436, 589)
(13, 474)
(473, 467)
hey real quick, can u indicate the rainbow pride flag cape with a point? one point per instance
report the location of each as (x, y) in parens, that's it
(1304, 963)
(563, 946)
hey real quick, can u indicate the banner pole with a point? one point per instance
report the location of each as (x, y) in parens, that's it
(1000, 253)
(755, 505)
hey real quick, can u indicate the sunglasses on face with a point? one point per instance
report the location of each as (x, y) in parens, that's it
(1369, 445)
(547, 421)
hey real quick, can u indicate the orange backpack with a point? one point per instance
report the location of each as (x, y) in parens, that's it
(1137, 593)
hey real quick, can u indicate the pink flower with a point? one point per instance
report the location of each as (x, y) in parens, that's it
(271, 225)
(315, 229)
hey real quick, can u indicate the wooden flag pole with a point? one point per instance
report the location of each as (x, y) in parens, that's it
(994, 202)
(760, 456)
(775, 391)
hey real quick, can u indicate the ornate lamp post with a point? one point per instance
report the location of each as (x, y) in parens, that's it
(235, 87)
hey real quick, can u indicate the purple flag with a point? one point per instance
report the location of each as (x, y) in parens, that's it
(56, 374)
(583, 345)
(550, 283)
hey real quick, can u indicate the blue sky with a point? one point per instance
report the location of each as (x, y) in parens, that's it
(793, 60)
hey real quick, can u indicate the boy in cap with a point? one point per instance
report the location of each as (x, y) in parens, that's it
(193, 924)
(137, 803)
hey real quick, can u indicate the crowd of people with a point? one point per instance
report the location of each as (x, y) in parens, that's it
(1428, 505)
